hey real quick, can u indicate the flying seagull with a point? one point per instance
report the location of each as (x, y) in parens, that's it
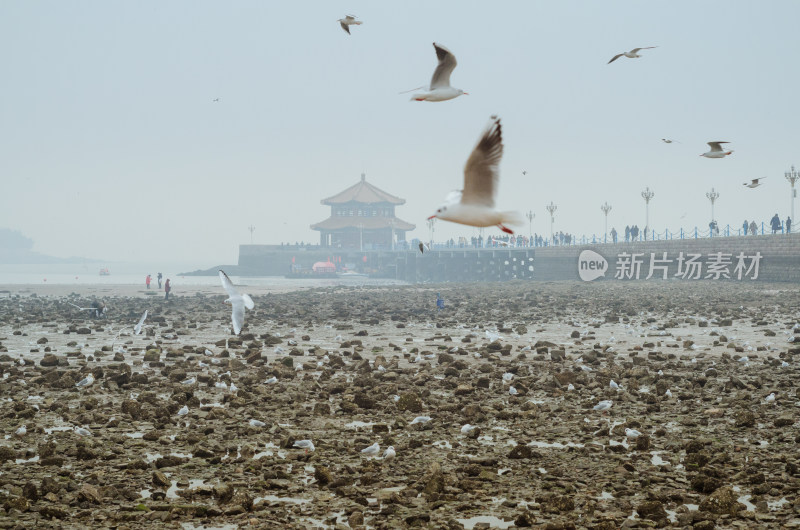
(474, 205)
(754, 183)
(138, 327)
(215, 100)
(633, 54)
(423, 247)
(237, 301)
(349, 20)
(668, 141)
(716, 150)
(440, 89)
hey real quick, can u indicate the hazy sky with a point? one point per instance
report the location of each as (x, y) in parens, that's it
(111, 145)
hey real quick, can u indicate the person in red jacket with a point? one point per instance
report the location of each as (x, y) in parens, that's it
(147, 281)
(167, 289)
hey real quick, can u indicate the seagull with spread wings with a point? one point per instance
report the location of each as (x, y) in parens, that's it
(754, 183)
(237, 301)
(474, 205)
(349, 20)
(440, 89)
(633, 54)
(716, 150)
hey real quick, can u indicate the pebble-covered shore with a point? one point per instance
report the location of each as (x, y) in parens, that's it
(706, 373)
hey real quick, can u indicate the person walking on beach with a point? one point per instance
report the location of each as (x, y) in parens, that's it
(627, 233)
(613, 235)
(159, 279)
(775, 223)
(745, 228)
(147, 281)
(753, 228)
(788, 225)
(167, 289)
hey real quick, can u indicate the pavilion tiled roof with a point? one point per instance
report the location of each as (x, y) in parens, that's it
(363, 192)
(368, 223)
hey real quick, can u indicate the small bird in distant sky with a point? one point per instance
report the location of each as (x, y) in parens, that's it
(633, 54)
(754, 183)
(215, 100)
(716, 150)
(524, 172)
(349, 20)
(668, 141)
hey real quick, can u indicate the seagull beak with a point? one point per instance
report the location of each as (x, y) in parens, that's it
(431, 217)
(466, 93)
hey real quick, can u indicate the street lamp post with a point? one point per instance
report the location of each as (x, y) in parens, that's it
(712, 196)
(792, 177)
(431, 222)
(605, 208)
(552, 209)
(252, 229)
(530, 215)
(647, 195)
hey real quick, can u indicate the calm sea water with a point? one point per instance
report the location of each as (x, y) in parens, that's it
(127, 274)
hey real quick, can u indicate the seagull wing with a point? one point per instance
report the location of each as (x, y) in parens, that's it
(248, 302)
(615, 58)
(645, 48)
(481, 174)
(447, 61)
(716, 146)
(228, 284)
(138, 328)
(237, 315)
(345, 27)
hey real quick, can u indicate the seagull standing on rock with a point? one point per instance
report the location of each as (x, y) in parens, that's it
(474, 205)
(389, 453)
(372, 450)
(604, 405)
(86, 381)
(237, 301)
(440, 89)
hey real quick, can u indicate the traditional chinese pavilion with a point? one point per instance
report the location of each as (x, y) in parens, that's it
(362, 217)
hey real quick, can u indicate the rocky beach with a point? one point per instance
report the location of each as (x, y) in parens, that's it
(491, 405)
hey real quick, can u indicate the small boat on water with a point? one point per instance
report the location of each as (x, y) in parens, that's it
(351, 274)
(105, 272)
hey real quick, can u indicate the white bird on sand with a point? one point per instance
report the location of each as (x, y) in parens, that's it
(770, 398)
(271, 381)
(508, 376)
(512, 391)
(349, 20)
(372, 450)
(82, 431)
(668, 393)
(474, 205)
(420, 419)
(613, 384)
(633, 54)
(221, 384)
(183, 411)
(466, 428)
(256, 423)
(632, 433)
(754, 183)
(233, 388)
(308, 445)
(784, 364)
(716, 150)
(389, 453)
(137, 329)
(570, 387)
(440, 89)
(21, 431)
(237, 301)
(86, 381)
(604, 405)
(189, 381)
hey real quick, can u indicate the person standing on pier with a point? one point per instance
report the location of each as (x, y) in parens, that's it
(613, 235)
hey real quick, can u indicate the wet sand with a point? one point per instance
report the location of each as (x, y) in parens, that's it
(354, 366)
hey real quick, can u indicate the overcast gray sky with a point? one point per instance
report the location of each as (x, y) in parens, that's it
(111, 145)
